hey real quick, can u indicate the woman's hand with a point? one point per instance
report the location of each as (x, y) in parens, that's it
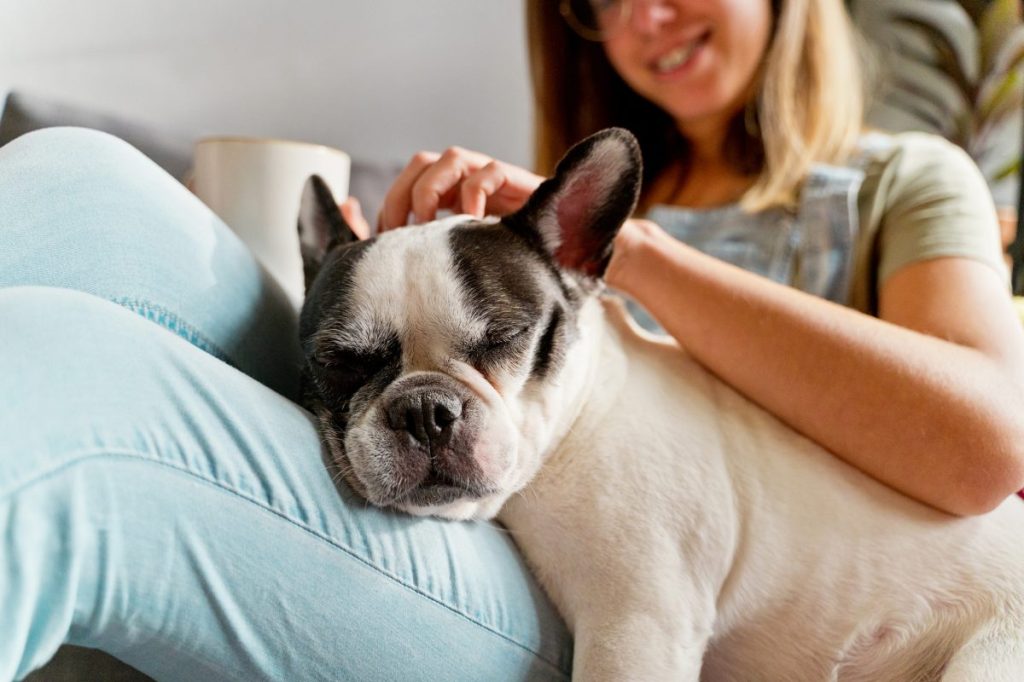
(459, 180)
(352, 212)
(634, 235)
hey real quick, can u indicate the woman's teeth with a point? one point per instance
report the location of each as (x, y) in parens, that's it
(676, 57)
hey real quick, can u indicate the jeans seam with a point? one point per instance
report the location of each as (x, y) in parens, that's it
(84, 456)
(174, 323)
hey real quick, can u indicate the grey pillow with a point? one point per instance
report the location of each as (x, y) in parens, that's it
(22, 112)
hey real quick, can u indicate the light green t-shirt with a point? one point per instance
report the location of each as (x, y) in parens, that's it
(922, 197)
(901, 199)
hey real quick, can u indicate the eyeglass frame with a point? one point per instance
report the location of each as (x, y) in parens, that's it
(585, 32)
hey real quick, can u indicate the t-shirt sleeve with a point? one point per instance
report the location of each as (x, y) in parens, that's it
(938, 204)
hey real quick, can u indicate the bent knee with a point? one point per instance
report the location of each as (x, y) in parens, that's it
(53, 168)
(74, 143)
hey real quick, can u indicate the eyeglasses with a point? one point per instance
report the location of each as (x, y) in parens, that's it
(595, 20)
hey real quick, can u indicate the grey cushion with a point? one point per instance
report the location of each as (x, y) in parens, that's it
(22, 112)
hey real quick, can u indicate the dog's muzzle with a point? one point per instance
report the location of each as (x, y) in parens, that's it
(427, 413)
(429, 453)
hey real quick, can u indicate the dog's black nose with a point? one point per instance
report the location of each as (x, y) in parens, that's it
(427, 413)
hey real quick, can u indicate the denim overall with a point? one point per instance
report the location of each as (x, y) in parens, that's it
(810, 247)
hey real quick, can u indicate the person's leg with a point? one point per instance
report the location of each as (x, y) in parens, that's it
(81, 209)
(159, 505)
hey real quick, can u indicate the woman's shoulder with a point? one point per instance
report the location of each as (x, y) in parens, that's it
(911, 166)
(906, 155)
(923, 196)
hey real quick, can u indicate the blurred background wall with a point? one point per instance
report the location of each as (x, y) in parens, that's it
(378, 78)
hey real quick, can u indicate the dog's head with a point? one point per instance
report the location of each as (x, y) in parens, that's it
(439, 359)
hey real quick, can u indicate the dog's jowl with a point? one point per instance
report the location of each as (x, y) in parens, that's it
(682, 532)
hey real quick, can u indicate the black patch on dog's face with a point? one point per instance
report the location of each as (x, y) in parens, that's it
(550, 346)
(518, 291)
(521, 286)
(330, 290)
(345, 378)
(335, 375)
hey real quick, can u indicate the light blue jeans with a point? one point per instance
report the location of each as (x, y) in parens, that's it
(161, 496)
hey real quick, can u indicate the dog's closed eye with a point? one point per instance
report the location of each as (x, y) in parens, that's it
(501, 337)
(341, 372)
(502, 343)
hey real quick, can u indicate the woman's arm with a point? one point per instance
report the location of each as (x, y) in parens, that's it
(928, 399)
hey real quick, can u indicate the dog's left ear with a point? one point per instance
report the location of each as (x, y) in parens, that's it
(576, 214)
(321, 226)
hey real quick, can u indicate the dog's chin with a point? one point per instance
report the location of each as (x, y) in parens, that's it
(459, 509)
(442, 498)
(439, 494)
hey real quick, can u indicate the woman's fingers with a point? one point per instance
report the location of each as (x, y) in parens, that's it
(352, 212)
(398, 201)
(459, 179)
(497, 189)
(441, 181)
(426, 184)
(480, 185)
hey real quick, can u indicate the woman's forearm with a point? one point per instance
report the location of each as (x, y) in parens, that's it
(938, 421)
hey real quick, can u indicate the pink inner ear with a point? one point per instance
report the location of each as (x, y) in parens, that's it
(580, 247)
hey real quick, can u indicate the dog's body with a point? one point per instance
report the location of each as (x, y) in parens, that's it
(465, 367)
(678, 516)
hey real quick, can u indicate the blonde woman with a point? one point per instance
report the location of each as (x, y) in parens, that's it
(850, 283)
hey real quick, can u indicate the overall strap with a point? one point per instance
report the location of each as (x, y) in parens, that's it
(826, 228)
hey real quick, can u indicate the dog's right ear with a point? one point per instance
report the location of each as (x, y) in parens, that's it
(574, 216)
(321, 226)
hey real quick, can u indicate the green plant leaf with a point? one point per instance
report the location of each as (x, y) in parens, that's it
(1011, 54)
(927, 106)
(946, 61)
(1007, 171)
(1007, 114)
(995, 27)
(1000, 94)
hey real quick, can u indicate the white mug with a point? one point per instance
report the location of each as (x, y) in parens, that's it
(254, 185)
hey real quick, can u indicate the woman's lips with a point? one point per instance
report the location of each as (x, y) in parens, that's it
(679, 57)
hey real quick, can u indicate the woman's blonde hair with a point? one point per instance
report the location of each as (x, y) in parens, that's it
(808, 105)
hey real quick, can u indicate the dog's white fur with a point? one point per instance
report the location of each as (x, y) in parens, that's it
(682, 531)
(685, 533)
(422, 297)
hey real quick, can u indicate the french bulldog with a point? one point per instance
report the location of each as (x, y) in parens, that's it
(470, 368)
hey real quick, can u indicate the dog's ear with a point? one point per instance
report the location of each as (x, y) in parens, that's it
(575, 215)
(321, 226)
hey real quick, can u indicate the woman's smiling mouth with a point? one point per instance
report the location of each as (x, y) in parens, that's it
(677, 58)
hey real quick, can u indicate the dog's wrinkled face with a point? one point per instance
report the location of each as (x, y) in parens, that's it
(438, 358)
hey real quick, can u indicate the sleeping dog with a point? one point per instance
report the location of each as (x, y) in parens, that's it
(470, 368)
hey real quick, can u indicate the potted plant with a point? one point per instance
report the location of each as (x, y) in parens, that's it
(956, 69)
